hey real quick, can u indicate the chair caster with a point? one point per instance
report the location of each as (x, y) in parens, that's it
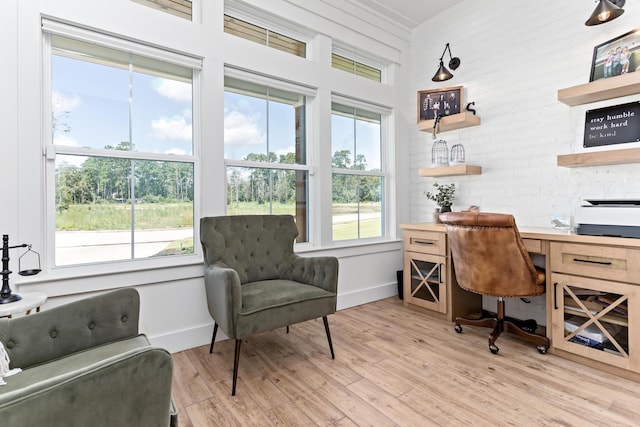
(493, 348)
(529, 326)
(458, 329)
(542, 349)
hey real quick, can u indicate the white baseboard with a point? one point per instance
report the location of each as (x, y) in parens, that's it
(352, 299)
(185, 339)
(176, 341)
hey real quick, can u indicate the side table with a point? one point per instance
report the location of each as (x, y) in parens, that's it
(29, 301)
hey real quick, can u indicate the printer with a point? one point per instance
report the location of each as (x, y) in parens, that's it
(616, 218)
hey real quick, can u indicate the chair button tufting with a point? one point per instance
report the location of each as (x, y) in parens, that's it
(92, 326)
(124, 318)
(53, 333)
(10, 344)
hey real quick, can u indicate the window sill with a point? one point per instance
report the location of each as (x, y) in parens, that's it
(63, 281)
(100, 277)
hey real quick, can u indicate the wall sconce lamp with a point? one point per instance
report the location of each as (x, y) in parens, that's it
(443, 74)
(6, 296)
(605, 11)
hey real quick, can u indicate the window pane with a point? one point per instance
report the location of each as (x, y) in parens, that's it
(108, 99)
(287, 44)
(367, 143)
(110, 209)
(357, 198)
(263, 124)
(264, 36)
(368, 72)
(353, 67)
(181, 8)
(269, 191)
(342, 63)
(355, 139)
(357, 207)
(245, 30)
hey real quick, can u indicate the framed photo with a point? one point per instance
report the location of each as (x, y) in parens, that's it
(434, 102)
(617, 56)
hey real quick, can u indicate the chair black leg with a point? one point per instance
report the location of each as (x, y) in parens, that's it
(287, 328)
(213, 338)
(235, 367)
(326, 328)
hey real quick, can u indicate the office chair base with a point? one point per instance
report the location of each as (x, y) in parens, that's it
(499, 323)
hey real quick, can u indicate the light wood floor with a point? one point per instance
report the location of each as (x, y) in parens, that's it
(394, 366)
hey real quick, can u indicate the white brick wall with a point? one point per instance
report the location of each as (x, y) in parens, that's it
(515, 56)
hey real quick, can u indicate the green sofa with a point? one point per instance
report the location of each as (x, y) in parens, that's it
(85, 364)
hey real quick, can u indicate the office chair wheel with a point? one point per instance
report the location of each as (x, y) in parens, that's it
(542, 349)
(529, 326)
(458, 329)
(493, 348)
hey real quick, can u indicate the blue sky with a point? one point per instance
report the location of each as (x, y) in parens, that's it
(93, 111)
(246, 130)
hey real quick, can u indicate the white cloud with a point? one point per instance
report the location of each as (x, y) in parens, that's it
(64, 103)
(172, 89)
(64, 139)
(285, 151)
(240, 129)
(176, 151)
(176, 128)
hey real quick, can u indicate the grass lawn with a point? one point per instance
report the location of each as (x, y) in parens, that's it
(95, 217)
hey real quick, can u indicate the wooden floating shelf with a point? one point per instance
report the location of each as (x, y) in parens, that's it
(599, 90)
(455, 170)
(600, 158)
(455, 121)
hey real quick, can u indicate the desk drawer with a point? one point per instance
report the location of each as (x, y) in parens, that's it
(603, 262)
(426, 242)
(533, 245)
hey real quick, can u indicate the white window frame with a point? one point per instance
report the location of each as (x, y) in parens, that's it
(385, 117)
(310, 94)
(52, 27)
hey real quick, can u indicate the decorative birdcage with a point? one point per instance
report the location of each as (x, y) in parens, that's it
(439, 153)
(457, 155)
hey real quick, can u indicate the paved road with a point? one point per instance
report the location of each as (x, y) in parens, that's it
(79, 247)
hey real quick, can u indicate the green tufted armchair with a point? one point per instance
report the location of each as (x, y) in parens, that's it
(255, 282)
(85, 364)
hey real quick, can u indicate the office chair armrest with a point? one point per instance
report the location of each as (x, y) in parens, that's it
(317, 271)
(224, 296)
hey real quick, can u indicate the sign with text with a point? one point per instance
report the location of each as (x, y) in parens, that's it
(612, 125)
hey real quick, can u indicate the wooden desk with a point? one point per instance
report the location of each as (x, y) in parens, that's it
(593, 290)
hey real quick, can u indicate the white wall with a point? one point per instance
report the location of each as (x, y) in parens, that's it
(173, 311)
(514, 59)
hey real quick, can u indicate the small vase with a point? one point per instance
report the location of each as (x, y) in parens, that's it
(445, 209)
(436, 216)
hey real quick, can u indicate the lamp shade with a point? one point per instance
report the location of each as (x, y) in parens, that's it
(605, 11)
(442, 74)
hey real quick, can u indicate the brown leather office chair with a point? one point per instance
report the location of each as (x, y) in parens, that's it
(489, 258)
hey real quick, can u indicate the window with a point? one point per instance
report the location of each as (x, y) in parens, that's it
(358, 179)
(354, 67)
(181, 8)
(265, 151)
(264, 36)
(122, 145)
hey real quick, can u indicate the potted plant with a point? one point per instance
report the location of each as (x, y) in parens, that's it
(443, 196)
